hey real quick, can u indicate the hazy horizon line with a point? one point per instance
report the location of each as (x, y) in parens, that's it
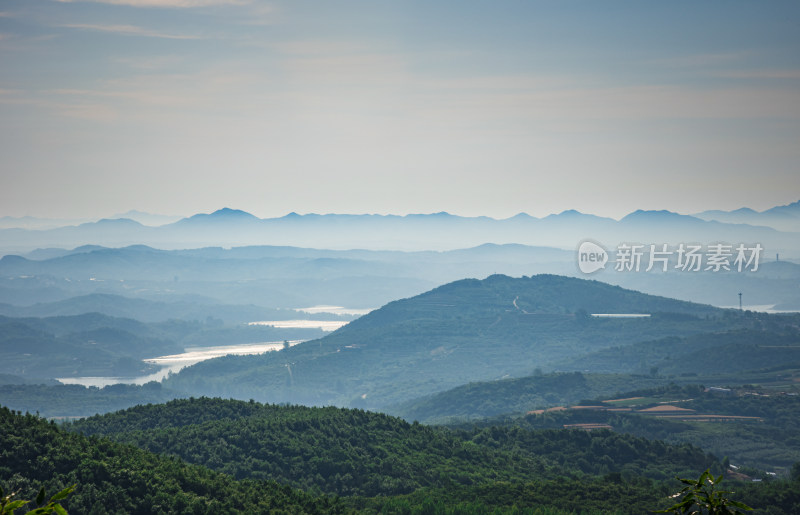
(89, 219)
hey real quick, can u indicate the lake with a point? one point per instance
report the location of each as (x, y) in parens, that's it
(325, 325)
(336, 310)
(192, 355)
(175, 362)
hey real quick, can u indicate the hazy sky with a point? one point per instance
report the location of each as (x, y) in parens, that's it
(472, 107)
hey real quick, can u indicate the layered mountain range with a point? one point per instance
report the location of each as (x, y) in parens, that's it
(776, 230)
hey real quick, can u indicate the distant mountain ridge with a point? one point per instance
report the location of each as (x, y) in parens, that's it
(298, 277)
(150, 310)
(435, 231)
(269, 276)
(783, 218)
(147, 218)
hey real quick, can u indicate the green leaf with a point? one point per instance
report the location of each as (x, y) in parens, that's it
(40, 497)
(701, 497)
(15, 505)
(59, 509)
(63, 493)
(740, 505)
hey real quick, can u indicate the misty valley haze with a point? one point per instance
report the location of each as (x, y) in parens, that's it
(441, 319)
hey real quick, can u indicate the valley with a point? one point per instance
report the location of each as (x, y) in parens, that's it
(545, 392)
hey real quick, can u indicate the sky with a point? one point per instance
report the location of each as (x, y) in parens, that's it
(417, 106)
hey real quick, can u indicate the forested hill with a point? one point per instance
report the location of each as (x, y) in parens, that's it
(518, 395)
(538, 294)
(773, 343)
(89, 344)
(354, 452)
(469, 330)
(117, 478)
(484, 470)
(715, 358)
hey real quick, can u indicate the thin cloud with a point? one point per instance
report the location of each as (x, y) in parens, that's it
(261, 14)
(93, 112)
(759, 74)
(702, 60)
(150, 63)
(164, 3)
(127, 30)
(137, 95)
(84, 110)
(157, 94)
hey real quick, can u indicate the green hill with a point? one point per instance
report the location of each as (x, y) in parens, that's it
(487, 469)
(518, 395)
(66, 401)
(94, 344)
(354, 452)
(730, 357)
(83, 345)
(117, 478)
(469, 330)
(756, 428)
(775, 342)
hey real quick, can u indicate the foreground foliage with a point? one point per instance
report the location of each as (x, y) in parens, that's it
(8, 505)
(701, 496)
